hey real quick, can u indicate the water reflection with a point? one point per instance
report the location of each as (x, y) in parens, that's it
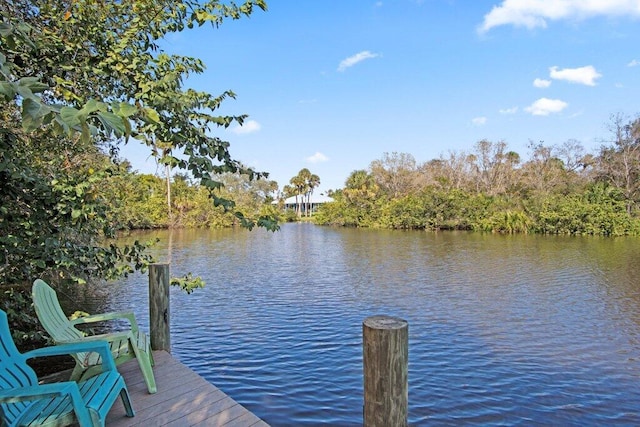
(504, 330)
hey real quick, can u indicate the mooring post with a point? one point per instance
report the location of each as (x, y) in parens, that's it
(386, 361)
(159, 313)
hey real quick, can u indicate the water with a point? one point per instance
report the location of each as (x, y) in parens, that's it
(503, 330)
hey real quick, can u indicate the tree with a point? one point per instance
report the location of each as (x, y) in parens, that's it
(251, 195)
(302, 186)
(84, 76)
(103, 61)
(572, 154)
(451, 173)
(494, 167)
(359, 197)
(298, 184)
(544, 173)
(313, 181)
(619, 161)
(395, 173)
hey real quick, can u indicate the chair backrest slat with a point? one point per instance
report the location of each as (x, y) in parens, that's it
(51, 315)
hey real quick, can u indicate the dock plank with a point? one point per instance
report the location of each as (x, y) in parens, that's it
(183, 399)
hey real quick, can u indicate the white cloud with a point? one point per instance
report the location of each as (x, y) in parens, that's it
(546, 106)
(511, 110)
(541, 83)
(250, 126)
(633, 63)
(479, 121)
(535, 13)
(583, 75)
(318, 157)
(353, 60)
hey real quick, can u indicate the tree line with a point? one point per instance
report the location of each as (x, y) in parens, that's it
(136, 201)
(558, 189)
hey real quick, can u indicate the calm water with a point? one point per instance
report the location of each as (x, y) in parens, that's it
(503, 330)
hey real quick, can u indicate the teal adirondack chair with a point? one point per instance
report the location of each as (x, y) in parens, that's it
(24, 402)
(124, 345)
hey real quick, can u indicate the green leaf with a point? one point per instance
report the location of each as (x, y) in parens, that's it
(91, 107)
(7, 90)
(127, 127)
(5, 29)
(269, 223)
(188, 283)
(33, 84)
(152, 115)
(24, 92)
(32, 114)
(111, 122)
(123, 109)
(85, 135)
(225, 203)
(210, 183)
(70, 117)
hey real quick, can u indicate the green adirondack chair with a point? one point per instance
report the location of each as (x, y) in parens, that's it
(24, 402)
(124, 345)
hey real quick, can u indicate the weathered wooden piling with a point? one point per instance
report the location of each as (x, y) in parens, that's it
(386, 362)
(159, 310)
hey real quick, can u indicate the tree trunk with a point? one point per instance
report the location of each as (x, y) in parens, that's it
(169, 210)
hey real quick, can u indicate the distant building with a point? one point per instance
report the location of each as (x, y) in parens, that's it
(315, 202)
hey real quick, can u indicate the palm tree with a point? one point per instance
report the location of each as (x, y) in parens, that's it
(304, 183)
(287, 191)
(312, 182)
(299, 182)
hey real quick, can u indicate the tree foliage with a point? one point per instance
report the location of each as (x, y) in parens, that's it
(102, 72)
(77, 80)
(557, 190)
(301, 187)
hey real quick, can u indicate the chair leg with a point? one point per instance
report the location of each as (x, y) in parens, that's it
(146, 362)
(96, 419)
(126, 402)
(77, 372)
(147, 372)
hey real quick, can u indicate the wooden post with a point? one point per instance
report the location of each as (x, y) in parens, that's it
(386, 361)
(159, 313)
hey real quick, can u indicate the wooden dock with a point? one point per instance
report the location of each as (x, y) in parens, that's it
(183, 399)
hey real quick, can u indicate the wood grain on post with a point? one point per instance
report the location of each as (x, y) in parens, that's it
(159, 313)
(386, 361)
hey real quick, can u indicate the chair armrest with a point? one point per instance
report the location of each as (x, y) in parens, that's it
(110, 337)
(108, 316)
(81, 346)
(20, 394)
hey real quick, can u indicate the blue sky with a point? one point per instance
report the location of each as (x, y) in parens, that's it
(333, 85)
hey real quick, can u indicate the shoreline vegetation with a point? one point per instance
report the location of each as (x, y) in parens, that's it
(557, 190)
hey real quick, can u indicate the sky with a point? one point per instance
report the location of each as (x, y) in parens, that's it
(333, 85)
